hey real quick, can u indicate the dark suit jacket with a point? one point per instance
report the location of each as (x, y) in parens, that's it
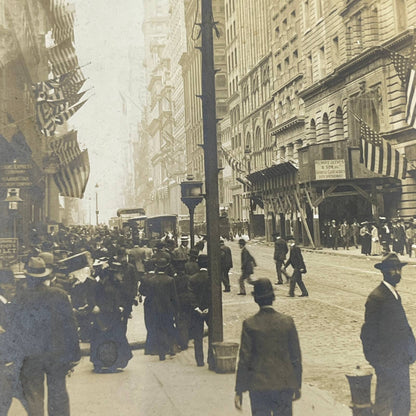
(226, 258)
(296, 259)
(45, 321)
(247, 261)
(200, 289)
(387, 338)
(160, 292)
(280, 249)
(270, 357)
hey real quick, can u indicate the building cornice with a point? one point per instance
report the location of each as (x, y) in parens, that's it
(364, 59)
(257, 110)
(294, 79)
(293, 122)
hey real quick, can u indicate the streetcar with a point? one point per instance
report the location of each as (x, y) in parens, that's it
(126, 214)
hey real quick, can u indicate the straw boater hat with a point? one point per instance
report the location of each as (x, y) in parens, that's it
(36, 267)
(390, 260)
(184, 237)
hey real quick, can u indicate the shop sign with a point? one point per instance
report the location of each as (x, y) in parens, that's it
(8, 248)
(330, 169)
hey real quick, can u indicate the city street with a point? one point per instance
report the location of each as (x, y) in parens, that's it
(328, 323)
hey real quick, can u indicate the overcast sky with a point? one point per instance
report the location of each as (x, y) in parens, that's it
(104, 31)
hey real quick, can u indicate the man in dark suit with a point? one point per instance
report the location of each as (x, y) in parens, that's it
(280, 251)
(163, 305)
(226, 265)
(247, 266)
(49, 339)
(200, 296)
(296, 261)
(388, 341)
(270, 363)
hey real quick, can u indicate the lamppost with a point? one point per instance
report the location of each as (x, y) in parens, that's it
(96, 204)
(13, 199)
(191, 196)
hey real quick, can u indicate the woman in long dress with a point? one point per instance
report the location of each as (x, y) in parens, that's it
(376, 248)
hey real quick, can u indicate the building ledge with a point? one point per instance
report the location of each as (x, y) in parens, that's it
(288, 124)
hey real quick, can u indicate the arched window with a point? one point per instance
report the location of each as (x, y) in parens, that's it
(339, 124)
(325, 128)
(312, 131)
(288, 106)
(268, 141)
(258, 143)
(247, 145)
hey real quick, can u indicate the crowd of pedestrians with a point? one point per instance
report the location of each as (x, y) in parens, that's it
(82, 283)
(374, 237)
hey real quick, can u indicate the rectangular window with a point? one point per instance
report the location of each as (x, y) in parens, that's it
(309, 67)
(327, 153)
(335, 52)
(322, 63)
(319, 10)
(306, 14)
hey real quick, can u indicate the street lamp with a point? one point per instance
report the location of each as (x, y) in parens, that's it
(96, 204)
(13, 199)
(191, 196)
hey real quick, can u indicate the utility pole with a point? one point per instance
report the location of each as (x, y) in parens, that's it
(215, 333)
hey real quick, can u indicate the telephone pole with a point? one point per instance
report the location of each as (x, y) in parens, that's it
(215, 333)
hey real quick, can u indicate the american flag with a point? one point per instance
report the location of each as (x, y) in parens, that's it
(379, 156)
(406, 70)
(232, 161)
(66, 147)
(63, 58)
(64, 116)
(72, 178)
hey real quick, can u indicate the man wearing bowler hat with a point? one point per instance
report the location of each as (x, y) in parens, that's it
(388, 341)
(270, 363)
(49, 339)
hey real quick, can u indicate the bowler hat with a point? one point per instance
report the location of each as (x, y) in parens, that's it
(36, 267)
(290, 237)
(161, 260)
(241, 241)
(389, 261)
(263, 289)
(203, 261)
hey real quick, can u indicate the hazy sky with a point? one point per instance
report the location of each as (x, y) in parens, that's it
(104, 31)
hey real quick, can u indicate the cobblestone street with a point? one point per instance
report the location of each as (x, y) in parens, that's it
(329, 320)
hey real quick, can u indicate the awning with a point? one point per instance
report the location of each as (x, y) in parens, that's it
(286, 168)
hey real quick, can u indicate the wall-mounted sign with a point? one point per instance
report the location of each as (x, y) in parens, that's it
(329, 169)
(8, 248)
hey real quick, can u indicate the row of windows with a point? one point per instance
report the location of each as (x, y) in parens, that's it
(229, 8)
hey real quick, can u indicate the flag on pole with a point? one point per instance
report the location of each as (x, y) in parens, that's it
(406, 70)
(232, 161)
(72, 178)
(63, 13)
(62, 117)
(63, 57)
(379, 156)
(45, 118)
(66, 147)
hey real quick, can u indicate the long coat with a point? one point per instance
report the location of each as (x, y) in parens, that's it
(270, 356)
(296, 259)
(280, 249)
(247, 262)
(388, 340)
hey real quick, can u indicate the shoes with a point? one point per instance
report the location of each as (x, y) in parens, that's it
(201, 364)
(227, 290)
(278, 283)
(290, 296)
(243, 294)
(303, 295)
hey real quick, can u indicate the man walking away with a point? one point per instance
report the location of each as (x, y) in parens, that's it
(247, 266)
(270, 363)
(296, 261)
(280, 251)
(388, 341)
(50, 341)
(226, 265)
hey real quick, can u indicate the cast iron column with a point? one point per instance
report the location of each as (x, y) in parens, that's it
(211, 171)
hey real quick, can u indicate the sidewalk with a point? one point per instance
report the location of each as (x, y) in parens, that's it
(351, 252)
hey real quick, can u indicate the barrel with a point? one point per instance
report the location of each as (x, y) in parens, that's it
(225, 356)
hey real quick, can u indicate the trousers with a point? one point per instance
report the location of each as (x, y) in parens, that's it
(33, 372)
(297, 279)
(392, 392)
(271, 402)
